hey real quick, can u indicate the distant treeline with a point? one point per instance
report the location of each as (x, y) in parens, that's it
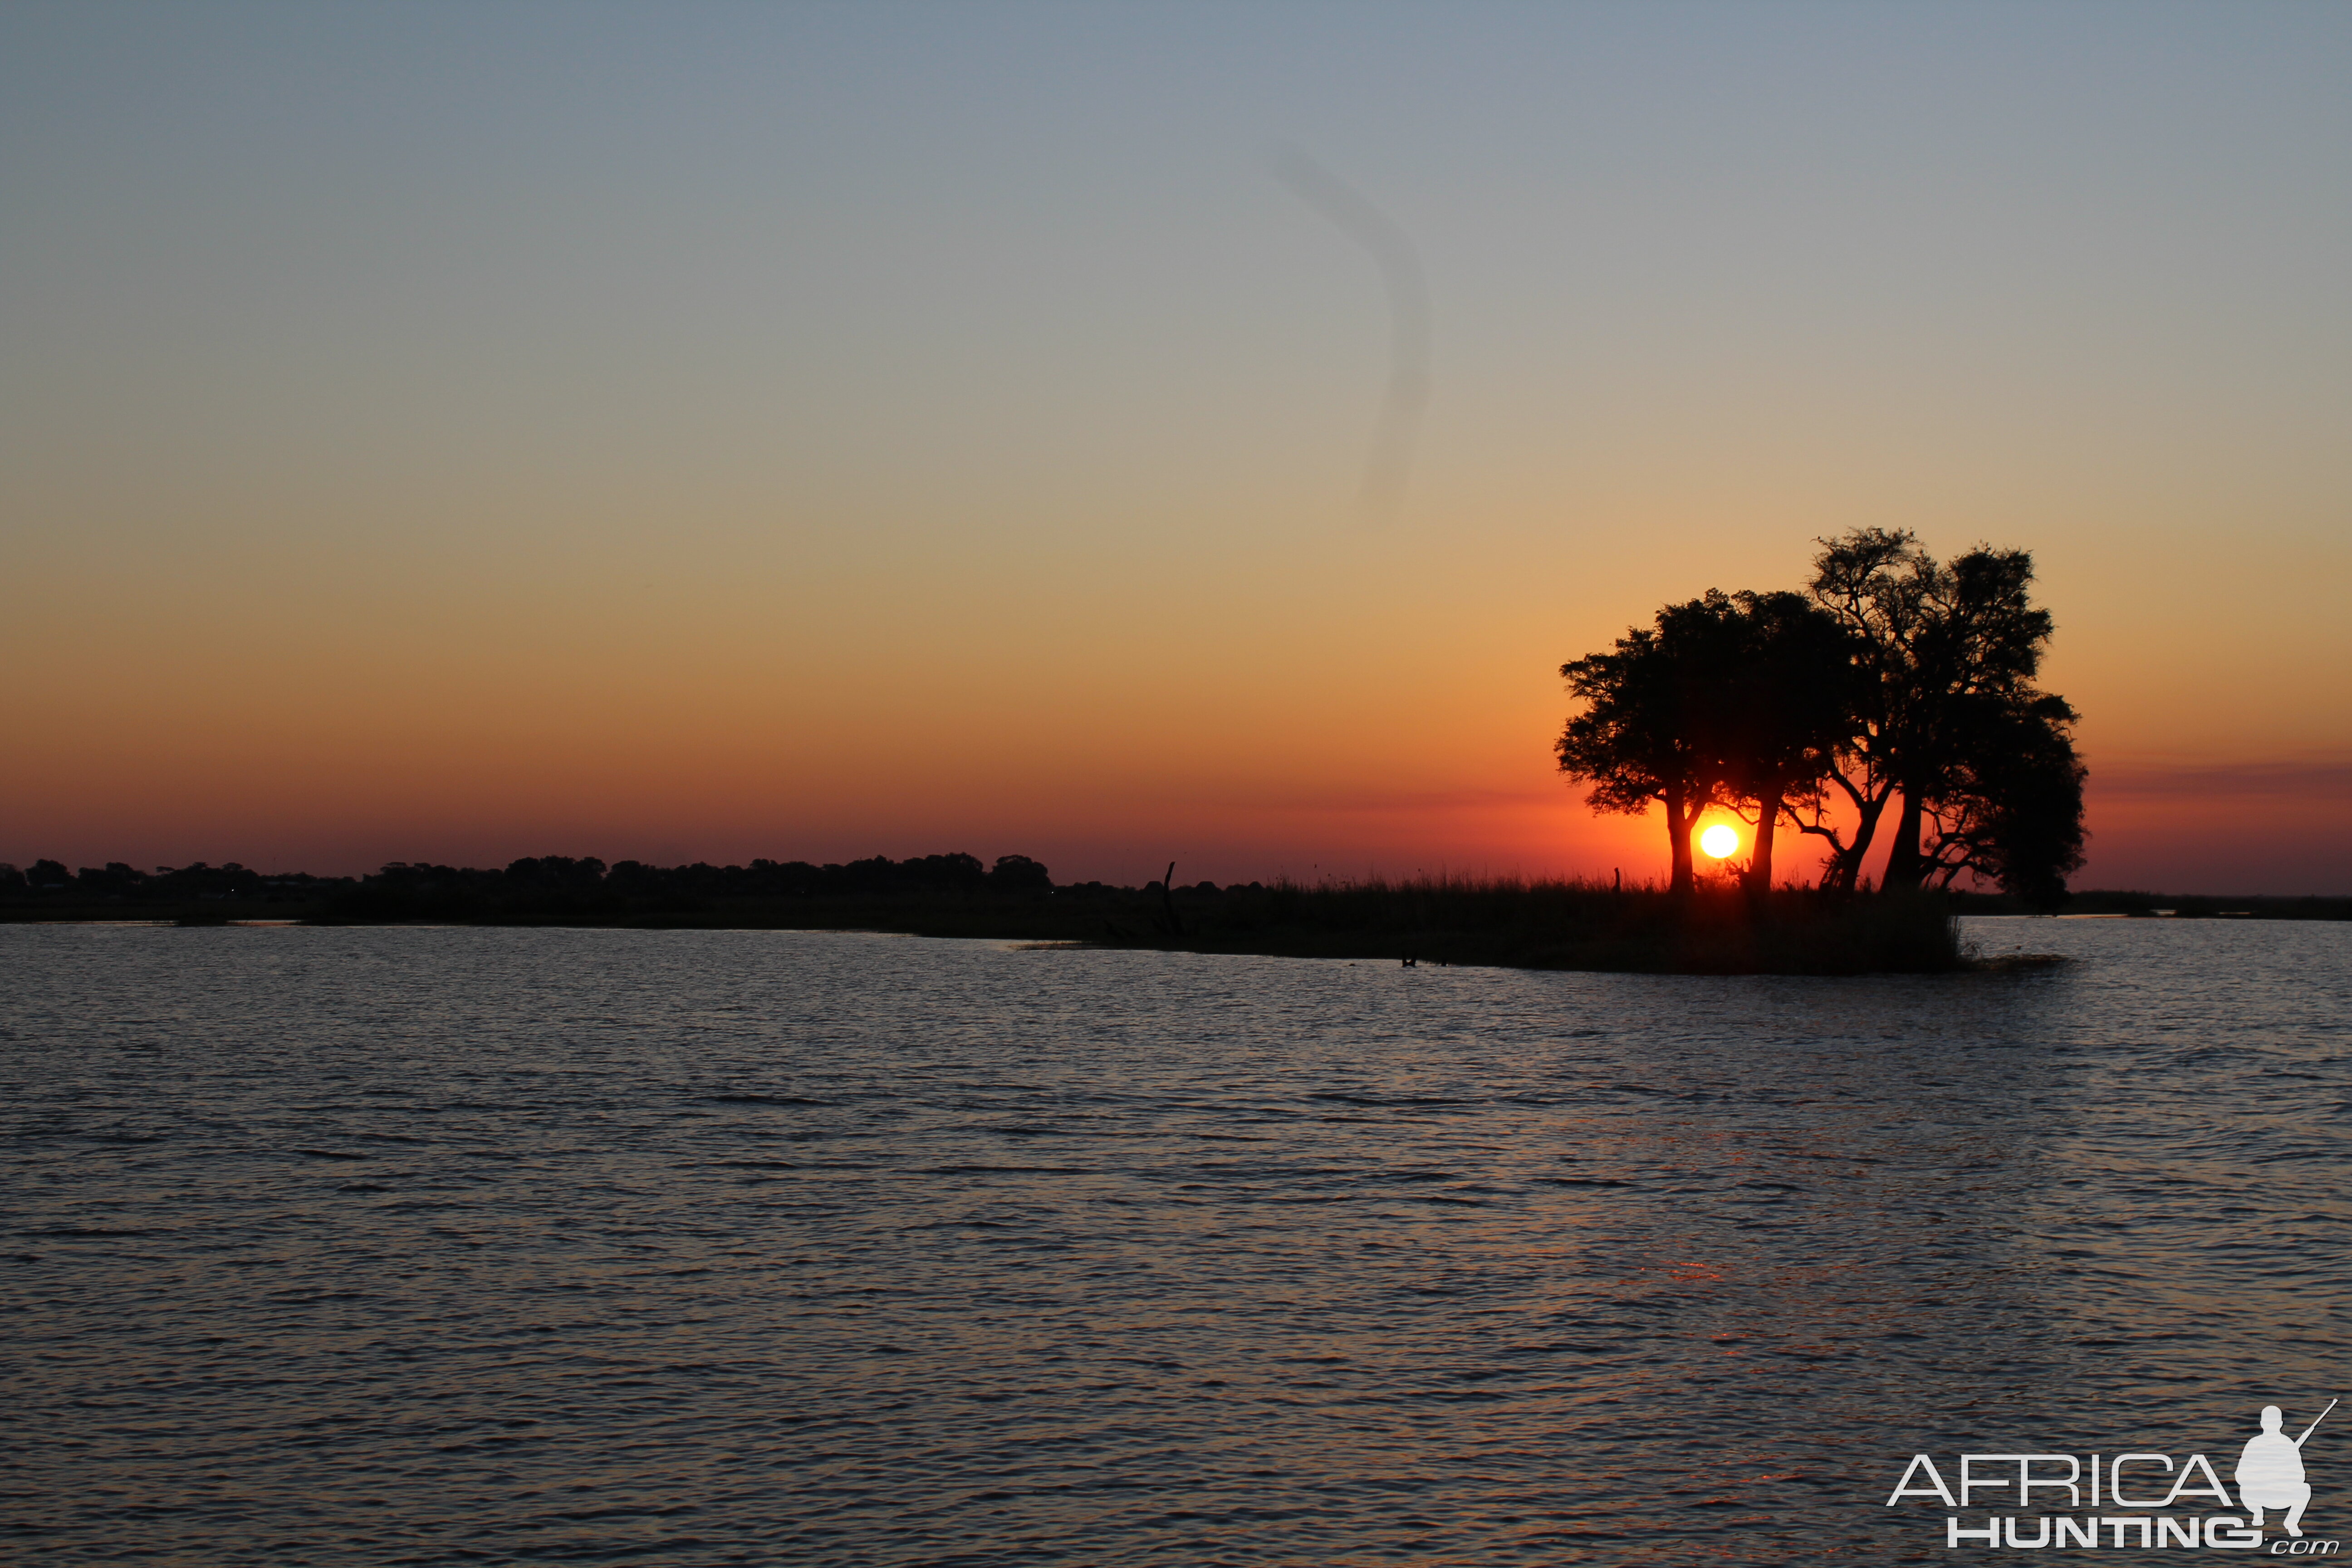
(558, 889)
(50, 881)
(554, 884)
(538, 885)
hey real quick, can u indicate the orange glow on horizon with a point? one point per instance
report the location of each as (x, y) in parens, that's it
(868, 468)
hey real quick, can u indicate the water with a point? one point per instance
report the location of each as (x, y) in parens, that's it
(446, 1245)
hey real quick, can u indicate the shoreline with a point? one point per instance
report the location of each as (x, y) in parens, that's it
(1558, 926)
(1501, 925)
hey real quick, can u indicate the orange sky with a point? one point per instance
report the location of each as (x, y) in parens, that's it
(814, 435)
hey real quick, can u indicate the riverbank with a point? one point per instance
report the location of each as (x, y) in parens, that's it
(1500, 923)
(1558, 925)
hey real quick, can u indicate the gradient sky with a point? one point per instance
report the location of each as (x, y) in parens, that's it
(445, 432)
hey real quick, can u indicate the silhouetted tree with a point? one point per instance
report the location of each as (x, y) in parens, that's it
(1014, 873)
(1785, 690)
(1942, 646)
(1652, 727)
(2011, 808)
(115, 880)
(943, 870)
(551, 872)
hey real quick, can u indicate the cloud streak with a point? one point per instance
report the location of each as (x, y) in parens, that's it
(2316, 779)
(1390, 463)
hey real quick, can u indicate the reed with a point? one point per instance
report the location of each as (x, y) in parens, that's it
(1718, 930)
(1500, 921)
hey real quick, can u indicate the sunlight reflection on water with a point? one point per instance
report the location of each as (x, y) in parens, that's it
(430, 1245)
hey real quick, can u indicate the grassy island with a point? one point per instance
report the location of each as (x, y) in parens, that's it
(1555, 925)
(1718, 928)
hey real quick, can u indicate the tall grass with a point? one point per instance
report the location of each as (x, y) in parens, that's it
(1503, 920)
(1507, 921)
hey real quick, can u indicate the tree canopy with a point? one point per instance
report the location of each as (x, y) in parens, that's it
(1642, 735)
(1892, 680)
(1729, 697)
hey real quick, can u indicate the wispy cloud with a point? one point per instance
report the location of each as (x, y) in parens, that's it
(2312, 778)
(1390, 463)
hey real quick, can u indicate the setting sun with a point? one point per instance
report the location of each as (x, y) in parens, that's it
(1721, 841)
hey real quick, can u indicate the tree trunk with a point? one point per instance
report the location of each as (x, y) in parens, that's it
(1843, 873)
(1904, 865)
(1760, 864)
(1678, 827)
(1846, 874)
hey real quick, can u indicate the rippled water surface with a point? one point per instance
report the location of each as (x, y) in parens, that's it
(442, 1246)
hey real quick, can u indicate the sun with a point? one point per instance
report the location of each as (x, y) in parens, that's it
(1721, 841)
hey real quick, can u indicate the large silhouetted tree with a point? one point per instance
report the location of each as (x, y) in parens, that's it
(1874, 581)
(1729, 699)
(2010, 808)
(1649, 730)
(1788, 690)
(1897, 682)
(1945, 649)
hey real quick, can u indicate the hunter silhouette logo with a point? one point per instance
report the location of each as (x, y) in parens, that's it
(2135, 1499)
(2270, 1472)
